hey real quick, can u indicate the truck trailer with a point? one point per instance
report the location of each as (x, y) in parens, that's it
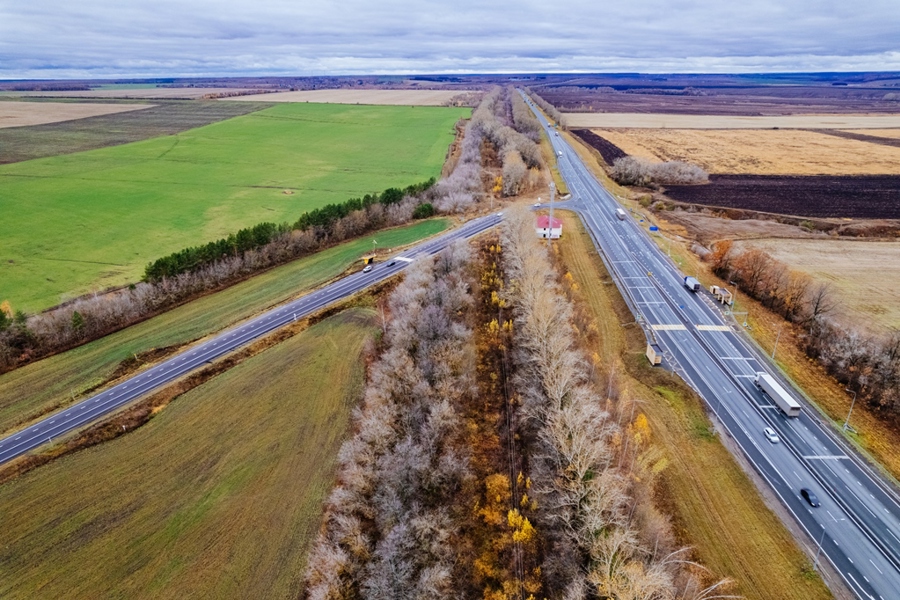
(692, 284)
(779, 396)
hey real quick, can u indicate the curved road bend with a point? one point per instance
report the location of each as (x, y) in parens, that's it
(94, 408)
(858, 522)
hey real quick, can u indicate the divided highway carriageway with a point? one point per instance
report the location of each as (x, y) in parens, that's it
(858, 522)
(96, 407)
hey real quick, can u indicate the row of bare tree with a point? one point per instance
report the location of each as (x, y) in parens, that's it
(392, 521)
(519, 153)
(865, 363)
(604, 538)
(633, 170)
(550, 110)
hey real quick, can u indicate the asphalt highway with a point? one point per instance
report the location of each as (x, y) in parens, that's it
(858, 522)
(96, 407)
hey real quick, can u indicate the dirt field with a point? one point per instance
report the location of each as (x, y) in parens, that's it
(151, 93)
(23, 114)
(666, 121)
(837, 197)
(347, 96)
(866, 274)
(759, 152)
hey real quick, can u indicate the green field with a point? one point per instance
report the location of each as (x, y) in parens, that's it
(72, 224)
(218, 496)
(38, 387)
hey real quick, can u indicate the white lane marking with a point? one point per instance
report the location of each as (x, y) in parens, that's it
(876, 568)
(827, 457)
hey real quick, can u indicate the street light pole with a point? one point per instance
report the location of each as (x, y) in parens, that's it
(777, 337)
(847, 420)
(819, 550)
(550, 221)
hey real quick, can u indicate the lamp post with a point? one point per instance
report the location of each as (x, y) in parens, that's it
(819, 550)
(847, 420)
(550, 219)
(777, 337)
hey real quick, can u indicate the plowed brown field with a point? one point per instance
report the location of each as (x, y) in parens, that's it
(22, 114)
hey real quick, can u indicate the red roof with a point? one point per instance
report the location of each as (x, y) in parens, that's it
(543, 220)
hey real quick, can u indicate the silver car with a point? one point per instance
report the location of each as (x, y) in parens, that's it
(771, 435)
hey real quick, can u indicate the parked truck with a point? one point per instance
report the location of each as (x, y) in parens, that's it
(692, 284)
(778, 394)
(621, 214)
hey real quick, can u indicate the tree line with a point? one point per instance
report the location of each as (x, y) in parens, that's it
(592, 476)
(392, 523)
(321, 220)
(868, 364)
(633, 170)
(550, 110)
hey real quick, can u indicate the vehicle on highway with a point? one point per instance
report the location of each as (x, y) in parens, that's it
(536, 204)
(392, 263)
(771, 435)
(692, 284)
(559, 153)
(778, 394)
(620, 214)
(367, 269)
(810, 497)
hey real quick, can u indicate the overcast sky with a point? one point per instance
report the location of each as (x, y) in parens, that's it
(139, 38)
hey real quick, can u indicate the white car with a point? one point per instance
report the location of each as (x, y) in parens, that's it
(771, 435)
(367, 269)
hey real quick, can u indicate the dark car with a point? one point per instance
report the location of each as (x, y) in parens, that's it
(810, 497)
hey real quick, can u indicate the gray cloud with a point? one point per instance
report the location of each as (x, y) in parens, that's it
(110, 38)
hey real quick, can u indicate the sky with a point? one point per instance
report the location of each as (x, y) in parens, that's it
(54, 39)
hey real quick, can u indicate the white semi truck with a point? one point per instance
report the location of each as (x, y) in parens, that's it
(620, 214)
(778, 394)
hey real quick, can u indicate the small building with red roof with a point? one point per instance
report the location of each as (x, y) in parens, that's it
(546, 228)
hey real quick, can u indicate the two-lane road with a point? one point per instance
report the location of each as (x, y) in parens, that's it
(96, 407)
(858, 522)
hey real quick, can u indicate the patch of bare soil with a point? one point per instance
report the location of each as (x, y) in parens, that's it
(23, 114)
(706, 228)
(856, 197)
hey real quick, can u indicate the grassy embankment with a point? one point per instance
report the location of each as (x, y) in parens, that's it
(42, 386)
(218, 496)
(715, 506)
(94, 219)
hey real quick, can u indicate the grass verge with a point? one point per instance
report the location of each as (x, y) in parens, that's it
(47, 385)
(87, 221)
(217, 496)
(714, 505)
